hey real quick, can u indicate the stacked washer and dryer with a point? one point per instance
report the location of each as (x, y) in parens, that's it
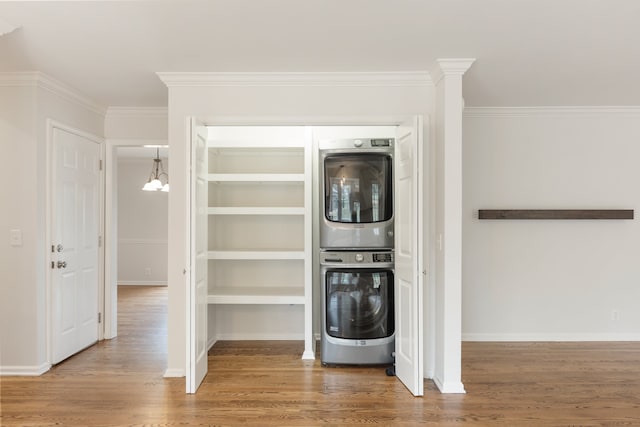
(356, 251)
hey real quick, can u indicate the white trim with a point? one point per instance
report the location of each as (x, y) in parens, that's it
(20, 79)
(449, 388)
(159, 242)
(551, 337)
(174, 373)
(447, 67)
(355, 120)
(111, 242)
(142, 283)
(44, 81)
(134, 142)
(309, 343)
(472, 112)
(340, 79)
(210, 342)
(7, 27)
(249, 120)
(33, 370)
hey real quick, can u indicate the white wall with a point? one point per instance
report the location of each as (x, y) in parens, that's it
(27, 101)
(123, 123)
(142, 224)
(18, 290)
(551, 280)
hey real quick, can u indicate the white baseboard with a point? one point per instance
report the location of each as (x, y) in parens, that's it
(550, 337)
(142, 283)
(455, 387)
(429, 374)
(30, 371)
(210, 343)
(174, 373)
(259, 337)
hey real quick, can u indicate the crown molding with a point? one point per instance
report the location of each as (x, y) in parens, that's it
(551, 111)
(44, 81)
(345, 79)
(450, 67)
(7, 27)
(143, 112)
(19, 79)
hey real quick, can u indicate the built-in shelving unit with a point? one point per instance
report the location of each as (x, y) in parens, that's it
(256, 177)
(257, 295)
(256, 255)
(260, 223)
(256, 211)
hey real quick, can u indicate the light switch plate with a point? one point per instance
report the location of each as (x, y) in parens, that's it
(15, 237)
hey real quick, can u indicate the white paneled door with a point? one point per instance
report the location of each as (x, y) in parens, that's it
(408, 229)
(75, 230)
(197, 289)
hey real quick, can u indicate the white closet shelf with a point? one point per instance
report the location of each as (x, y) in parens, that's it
(230, 143)
(255, 177)
(256, 255)
(256, 295)
(256, 211)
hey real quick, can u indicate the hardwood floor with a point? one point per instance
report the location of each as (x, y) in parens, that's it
(120, 383)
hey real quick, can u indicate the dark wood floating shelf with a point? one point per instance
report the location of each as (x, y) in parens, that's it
(555, 214)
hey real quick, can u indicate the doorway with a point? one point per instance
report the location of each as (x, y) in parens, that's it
(136, 222)
(408, 132)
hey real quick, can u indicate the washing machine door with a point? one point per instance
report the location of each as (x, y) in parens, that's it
(359, 303)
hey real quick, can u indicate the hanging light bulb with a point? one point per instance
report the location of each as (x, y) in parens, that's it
(157, 172)
(149, 187)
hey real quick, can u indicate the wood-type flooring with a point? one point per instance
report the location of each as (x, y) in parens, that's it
(120, 382)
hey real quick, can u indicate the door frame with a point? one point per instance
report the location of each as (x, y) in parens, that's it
(52, 125)
(110, 308)
(428, 305)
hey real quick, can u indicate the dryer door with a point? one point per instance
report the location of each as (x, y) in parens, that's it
(358, 188)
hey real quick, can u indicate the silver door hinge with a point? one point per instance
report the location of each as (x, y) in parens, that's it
(99, 317)
(100, 164)
(99, 241)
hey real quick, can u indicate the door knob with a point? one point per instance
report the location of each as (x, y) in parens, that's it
(59, 248)
(62, 264)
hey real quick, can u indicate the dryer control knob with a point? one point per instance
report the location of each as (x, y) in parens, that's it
(357, 143)
(359, 257)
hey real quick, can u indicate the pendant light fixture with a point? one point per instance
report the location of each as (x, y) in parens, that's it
(157, 175)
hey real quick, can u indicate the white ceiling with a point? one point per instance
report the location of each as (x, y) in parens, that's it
(528, 52)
